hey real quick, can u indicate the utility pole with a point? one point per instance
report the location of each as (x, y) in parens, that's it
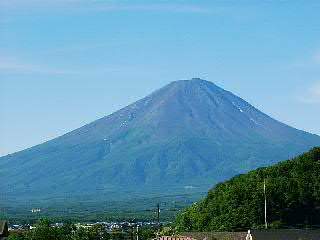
(265, 204)
(158, 218)
(137, 232)
(158, 214)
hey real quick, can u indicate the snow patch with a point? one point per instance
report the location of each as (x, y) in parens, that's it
(134, 106)
(124, 123)
(237, 107)
(147, 101)
(254, 121)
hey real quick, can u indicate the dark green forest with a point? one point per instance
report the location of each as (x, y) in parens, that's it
(292, 191)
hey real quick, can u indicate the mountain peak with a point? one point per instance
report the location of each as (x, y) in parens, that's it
(198, 80)
(193, 81)
(193, 85)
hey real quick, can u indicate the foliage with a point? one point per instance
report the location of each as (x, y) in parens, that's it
(167, 231)
(17, 236)
(45, 231)
(293, 199)
(147, 233)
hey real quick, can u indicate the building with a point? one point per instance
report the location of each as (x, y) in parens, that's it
(174, 238)
(35, 210)
(275, 234)
(4, 232)
(216, 235)
(285, 234)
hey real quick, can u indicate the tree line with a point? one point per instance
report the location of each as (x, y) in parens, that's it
(68, 231)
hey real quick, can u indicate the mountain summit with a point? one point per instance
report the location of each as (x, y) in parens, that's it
(189, 134)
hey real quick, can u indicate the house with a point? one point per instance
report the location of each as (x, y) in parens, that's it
(270, 234)
(174, 238)
(4, 232)
(216, 235)
(284, 234)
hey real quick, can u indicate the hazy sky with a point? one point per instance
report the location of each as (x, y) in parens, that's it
(66, 63)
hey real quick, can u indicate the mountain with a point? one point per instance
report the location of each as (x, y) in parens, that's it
(292, 191)
(181, 138)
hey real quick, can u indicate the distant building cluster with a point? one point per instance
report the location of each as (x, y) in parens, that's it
(35, 210)
(109, 226)
(174, 238)
(117, 226)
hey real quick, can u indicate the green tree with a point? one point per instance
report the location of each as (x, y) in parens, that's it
(293, 194)
(17, 236)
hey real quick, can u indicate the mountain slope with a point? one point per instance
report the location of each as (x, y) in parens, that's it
(184, 136)
(293, 199)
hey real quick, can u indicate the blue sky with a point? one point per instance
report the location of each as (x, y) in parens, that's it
(66, 63)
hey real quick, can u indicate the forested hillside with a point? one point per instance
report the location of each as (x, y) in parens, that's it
(293, 199)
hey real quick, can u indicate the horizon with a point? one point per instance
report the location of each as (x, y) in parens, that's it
(64, 64)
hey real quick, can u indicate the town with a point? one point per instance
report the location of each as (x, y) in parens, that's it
(110, 227)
